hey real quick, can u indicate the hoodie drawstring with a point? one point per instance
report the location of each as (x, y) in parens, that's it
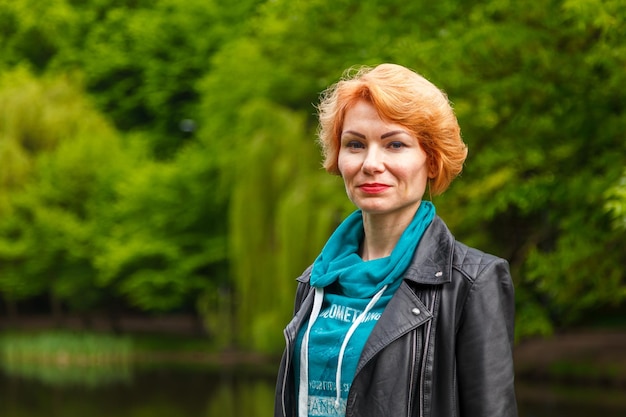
(351, 330)
(303, 393)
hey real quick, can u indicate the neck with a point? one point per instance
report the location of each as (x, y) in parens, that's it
(382, 232)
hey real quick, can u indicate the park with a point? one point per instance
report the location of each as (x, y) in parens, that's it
(158, 161)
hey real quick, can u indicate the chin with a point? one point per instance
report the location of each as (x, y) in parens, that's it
(384, 209)
(374, 209)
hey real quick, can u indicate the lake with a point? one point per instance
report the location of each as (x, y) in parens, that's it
(174, 391)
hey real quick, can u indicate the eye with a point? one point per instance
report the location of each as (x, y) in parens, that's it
(355, 144)
(396, 145)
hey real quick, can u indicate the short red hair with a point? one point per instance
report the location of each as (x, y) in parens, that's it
(404, 97)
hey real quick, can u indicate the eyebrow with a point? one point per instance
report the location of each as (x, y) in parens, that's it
(383, 136)
(392, 133)
(352, 132)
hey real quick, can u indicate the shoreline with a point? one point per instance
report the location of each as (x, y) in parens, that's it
(591, 356)
(583, 356)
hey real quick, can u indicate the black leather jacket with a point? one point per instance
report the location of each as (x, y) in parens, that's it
(443, 345)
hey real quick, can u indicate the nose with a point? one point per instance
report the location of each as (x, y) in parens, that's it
(374, 161)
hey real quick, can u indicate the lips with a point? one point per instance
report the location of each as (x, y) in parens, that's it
(373, 188)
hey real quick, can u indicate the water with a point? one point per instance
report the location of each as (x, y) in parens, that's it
(196, 392)
(536, 399)
(154, 392)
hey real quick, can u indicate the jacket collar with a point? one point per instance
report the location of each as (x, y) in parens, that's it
(432, 261)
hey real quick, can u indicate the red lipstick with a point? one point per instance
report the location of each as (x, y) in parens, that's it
(373, 188)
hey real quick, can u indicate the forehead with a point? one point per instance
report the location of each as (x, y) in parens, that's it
(364, 115)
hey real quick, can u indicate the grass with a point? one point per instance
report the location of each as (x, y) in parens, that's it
(74, 358)
(64, 348)
(64, 358)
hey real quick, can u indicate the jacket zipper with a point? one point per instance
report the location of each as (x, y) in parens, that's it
(412, 374)
(425, 354)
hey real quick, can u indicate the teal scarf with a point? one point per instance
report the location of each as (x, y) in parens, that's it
(340, 261)
(330, 344)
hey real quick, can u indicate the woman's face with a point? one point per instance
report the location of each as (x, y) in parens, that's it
(383, 166)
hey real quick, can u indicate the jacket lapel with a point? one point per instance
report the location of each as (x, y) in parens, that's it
(404, 313)
(432, 262)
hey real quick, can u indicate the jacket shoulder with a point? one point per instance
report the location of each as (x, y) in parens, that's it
(303, 288)
(472, 262)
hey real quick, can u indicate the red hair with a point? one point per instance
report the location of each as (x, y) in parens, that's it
(400, 96)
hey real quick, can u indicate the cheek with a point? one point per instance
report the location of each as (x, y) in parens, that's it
(343, 165)
(340, 165)
(414, 177)
(420, 178)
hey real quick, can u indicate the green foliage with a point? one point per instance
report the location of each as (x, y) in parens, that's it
(36, 116)
(166, 243)
(59, 142)
(94, 219)
(55, 219)
(27, 38)
(536, 89)
(616, 203)
(140, 59)
(142, 62)
(278, 174)
(544, 127)
(241, 206)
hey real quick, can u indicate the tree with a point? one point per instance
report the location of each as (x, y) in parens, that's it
(281, 210)
(166, 244)
(140, 59)
(66, 154)
(544, 139)
(616, 203)
(544, 147)
(537, 88)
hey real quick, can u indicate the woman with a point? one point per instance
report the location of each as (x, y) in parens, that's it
(396, 318)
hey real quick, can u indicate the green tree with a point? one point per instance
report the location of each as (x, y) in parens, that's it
(67, 154)
(26, 38)
(535, 87)
(140, 59)
(535, 93)
(37, 115)
(166, 244)
(281, 210)
(616, 203)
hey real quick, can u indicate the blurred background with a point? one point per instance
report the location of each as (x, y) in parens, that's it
(161, 188)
